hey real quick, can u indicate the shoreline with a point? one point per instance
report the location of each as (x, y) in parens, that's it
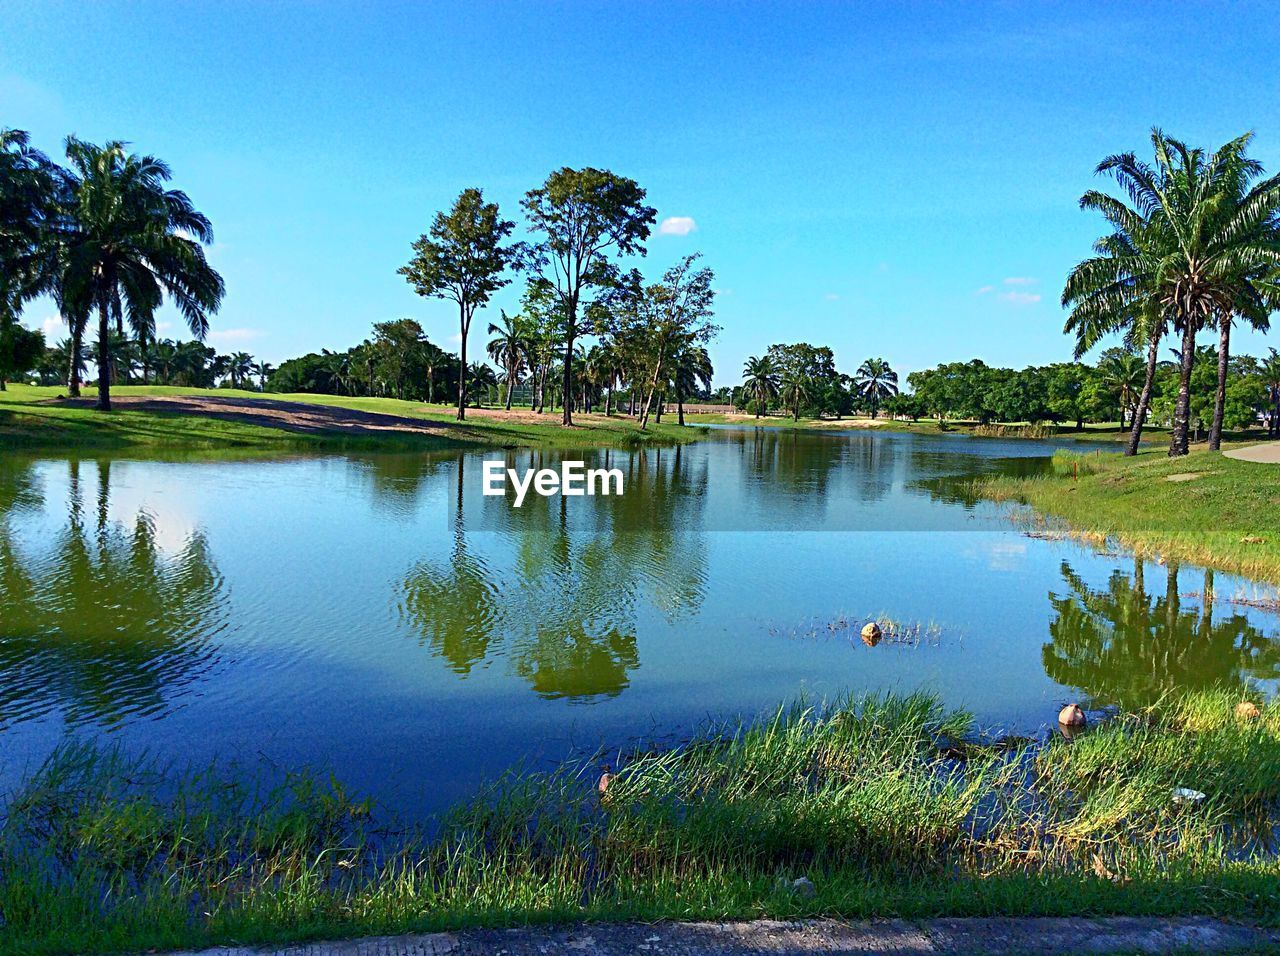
(875, 807)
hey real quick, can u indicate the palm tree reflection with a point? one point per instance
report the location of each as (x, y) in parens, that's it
(100, 622)
(1122, 646)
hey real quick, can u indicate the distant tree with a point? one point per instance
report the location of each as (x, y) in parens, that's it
(583, 216)
(462, 258)
(509, 348)
(760, 380)
(875, 381)
(1123, 374)
(21, 350)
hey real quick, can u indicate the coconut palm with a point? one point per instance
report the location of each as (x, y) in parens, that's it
(239, 368)
(793, 388)
(480, 377)
(1122, 374)
(875, 382)
(27, 206)
(509, 348)
(760, 379)
(128, 242)
(1189, 245)
(263, 371)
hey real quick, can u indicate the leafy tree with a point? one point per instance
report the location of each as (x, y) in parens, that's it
(28, 196)
(462, 258)
(583, 216)
(21, 350)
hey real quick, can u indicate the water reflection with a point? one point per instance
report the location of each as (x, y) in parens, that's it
(1122, 646)
(98, 621)
(556, 591)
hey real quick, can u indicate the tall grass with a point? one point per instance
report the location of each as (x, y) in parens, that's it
(890, 805)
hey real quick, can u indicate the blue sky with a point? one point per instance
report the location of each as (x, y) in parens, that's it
(888, 179)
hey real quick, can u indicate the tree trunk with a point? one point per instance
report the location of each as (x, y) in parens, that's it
(1144, 399)
(104, 360)
(679, 407)
(1220, 398)
(510, 379)
(464, 321)
(73, 361)
(567, 418)
(1178, 444)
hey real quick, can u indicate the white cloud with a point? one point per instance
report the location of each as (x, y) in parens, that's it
(677, 226)
(1020, 298)
(54, 328)
(1020, 280)
(985, 289)
(831, 297)
(234, 335)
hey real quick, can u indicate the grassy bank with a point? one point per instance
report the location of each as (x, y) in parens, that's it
(1092, 431)
(1202, 509)
(888, 805)
(35, 418)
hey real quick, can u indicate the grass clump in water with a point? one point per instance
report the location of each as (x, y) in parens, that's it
(867, 799)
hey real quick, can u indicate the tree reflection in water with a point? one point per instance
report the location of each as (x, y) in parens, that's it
(98, 621)
(565, 616)
(1122, 646)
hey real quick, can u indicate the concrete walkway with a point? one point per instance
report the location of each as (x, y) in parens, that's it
(1268, 453)
(987, 936)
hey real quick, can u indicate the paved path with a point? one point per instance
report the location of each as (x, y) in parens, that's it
(1268, 452)
(987, 936)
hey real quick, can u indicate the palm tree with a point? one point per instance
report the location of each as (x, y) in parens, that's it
(239, 368)
(1189, 246)
(263, 370)
(760, 379)
(28, 184)
(1270, 371)
(692, 367)
(875, 381)
(794, 390)
(479, 377)
(1123, 374)
(130, 241)
(509, 348)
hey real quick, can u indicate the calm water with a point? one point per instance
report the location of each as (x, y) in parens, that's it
(377, 616)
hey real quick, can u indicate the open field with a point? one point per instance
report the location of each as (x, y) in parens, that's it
(1205, 508)
(885, 806)
(160, 416)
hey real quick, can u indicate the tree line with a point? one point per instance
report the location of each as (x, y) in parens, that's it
(650, 336)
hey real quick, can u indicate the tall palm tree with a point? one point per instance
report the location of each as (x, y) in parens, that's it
(1123, 374)
(1189, 246)
(509, 348)
(28, 190)
(129, 241)
(1270, 371)
(875, 381)
(760, 379)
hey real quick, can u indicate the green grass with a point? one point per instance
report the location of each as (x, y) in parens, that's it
(1202, 509)
(33, 418)
(101, 854)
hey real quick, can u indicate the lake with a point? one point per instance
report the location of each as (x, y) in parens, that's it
(376, 616)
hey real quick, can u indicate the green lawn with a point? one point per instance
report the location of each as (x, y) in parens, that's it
(32, 417)
(1204, 508)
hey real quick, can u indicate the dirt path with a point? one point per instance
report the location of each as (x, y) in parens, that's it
(1043, 936)
(274, 413)
(1268, 453)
